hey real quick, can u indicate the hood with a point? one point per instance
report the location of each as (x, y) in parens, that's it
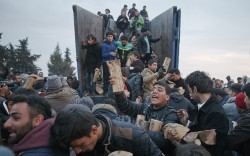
(107, 42)
(36, 138)
(176, 97)
(128, 46)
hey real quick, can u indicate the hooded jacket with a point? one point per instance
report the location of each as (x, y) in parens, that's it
(178, 101)
(123, 52)
(134, 84)
(108, 47)
(36, 142)
(93, 58)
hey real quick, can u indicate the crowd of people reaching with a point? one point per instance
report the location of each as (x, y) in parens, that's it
(46, 116)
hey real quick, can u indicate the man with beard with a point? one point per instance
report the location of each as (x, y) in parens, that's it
(29, 125)
(209, 114)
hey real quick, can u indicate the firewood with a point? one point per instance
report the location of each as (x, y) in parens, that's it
(116, 74)
(155, 125)
(99, 90)
(120, 153)
(97, 72)
(140, 122)
(166, 62)
(197, 142)
(177, 130)
(208, 136)
(29, 83)
(190, 137)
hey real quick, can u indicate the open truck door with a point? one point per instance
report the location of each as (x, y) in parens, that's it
(167, 24)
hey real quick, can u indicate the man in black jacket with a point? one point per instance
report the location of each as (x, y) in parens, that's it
(90, 135)
(209, 114)
(144, 45)
(122, 23)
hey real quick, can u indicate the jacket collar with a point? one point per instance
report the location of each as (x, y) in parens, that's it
(209, 104)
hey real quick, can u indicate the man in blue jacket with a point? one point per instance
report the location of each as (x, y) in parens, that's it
(108, 53)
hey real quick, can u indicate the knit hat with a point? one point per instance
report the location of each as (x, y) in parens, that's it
(54, 82)
(239, 101)
(24, 77)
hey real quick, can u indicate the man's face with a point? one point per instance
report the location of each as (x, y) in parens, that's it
(19, 123)
(40, 74)
(217, 84)
(91, 41)
(144, 33)
(247, 100)
(174, 76)
(124, 42)
(132, 58)
(153, 67)
(133, 5)
(136, 13)
(158, 96)
(18, 79)
(86, 143)
(110, 38)
(194, 94)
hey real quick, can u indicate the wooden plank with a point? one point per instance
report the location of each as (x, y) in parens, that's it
(166, 63)
(116, 74)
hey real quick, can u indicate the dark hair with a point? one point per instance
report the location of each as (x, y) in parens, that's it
(107, 10)
(135, 53)
(25, 91)
(239, 78)
(110, 33)
(91, 36)
(39, 84)
(164, 84)
(200, 80)
(75, 84)
(124, 37)
(175, 70)
(125, 5)
(191, 150)
(246, 89)
(37, 104)
(125, 71)
(143, 29)
(220, 92)
(151, 61)
(72, 122)
(236, 87)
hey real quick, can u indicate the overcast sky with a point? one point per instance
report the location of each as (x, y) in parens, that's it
(215, 34)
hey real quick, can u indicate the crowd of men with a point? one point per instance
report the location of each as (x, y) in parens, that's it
(46, 116)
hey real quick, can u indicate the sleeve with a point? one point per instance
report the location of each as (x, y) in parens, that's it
(139, 46)
(129, 107)
(155, 40)
(105, 53)
(149, 77)
(140, 20)
(239, 135)
(138, 86)
(99, 56)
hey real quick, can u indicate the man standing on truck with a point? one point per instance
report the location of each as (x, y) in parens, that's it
(108, 53)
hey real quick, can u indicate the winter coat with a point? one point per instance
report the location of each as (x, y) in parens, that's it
(136, 22)
(212, 116)
(134, 84)
(123, 136)
(165, 114)
(108, 47)
(106, 19)
(36, 142)
(93, 58)
(231, 111)
(122, 22)
(142, 44)
(123, 52)
(149, 78)
(178, 101)
(239, 138)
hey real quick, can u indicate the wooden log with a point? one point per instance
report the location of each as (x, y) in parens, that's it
(197, 142)
(177, 130)
(208, 137)
(155, 125)
(190, 137)
(116, 74)
(99, 90)
(120, 153)
(166, 62)
(29, 83)
(97, 72)
(140, 122)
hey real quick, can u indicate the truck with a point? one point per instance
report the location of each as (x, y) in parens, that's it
(166, 24)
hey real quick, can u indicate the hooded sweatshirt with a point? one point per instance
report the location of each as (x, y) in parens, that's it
(108, 47)
(123, 52)
(178, 101)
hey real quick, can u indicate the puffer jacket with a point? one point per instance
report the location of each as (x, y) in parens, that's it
(108, 47)
(134, 84)
(149, 78)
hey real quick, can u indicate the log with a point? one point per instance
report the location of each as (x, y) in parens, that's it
(155, 125)
(197, 142)
(120, 153)
(190, 137)
(140, 122)
(116, 74)
(208, 137)
(97, 72)
(177, 130)
(166, 62)
(99, 90)
(29, 83)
